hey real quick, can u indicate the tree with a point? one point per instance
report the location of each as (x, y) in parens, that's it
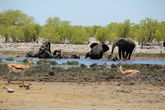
(160, 33)
(14, 17)
(140, 33)
(150, 28)
(124, 29)
(101, 34)
(113, 29)
(50, 33)
(31, 32)
(56, 21)
(14, 33)
(79, 35)
(11, 22)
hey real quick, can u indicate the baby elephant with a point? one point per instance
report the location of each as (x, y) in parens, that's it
(75, 56)
(57, 54)
(113, 57)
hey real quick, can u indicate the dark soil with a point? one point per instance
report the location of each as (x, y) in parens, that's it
(153, 74)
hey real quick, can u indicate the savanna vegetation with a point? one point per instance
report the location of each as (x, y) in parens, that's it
(16, 26)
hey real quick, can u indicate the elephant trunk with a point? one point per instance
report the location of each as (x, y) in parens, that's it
(113, 46)
(87, 55)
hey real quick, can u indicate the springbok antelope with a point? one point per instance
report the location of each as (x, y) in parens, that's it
(19, 67)
(126, 72)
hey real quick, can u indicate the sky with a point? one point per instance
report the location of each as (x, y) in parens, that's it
(89, 12)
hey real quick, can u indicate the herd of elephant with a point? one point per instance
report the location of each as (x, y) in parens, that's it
(125, 49)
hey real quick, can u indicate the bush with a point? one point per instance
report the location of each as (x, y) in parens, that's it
(10, 59)
(42, 62)
(93, 65)
(25, 60)
(83, 66)
(53, 62)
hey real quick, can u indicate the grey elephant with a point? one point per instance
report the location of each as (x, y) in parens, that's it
(32, 54)
(97, 50)
(57, 54)
(125, 47)
(75, 56)
(44, 51)
(112, 57)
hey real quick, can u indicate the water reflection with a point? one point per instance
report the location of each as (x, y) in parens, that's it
(87, 62)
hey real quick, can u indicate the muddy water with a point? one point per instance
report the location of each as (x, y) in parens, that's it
(87, 62)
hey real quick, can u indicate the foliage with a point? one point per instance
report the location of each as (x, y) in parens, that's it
(61, 32)
(53, 62)
(101, 34)
(10, 59)
(14, 17)
(16, 26)
(79, 35)
(124, 29)
(25, 60)
(57, 21)
(31, 32)
(42, 62)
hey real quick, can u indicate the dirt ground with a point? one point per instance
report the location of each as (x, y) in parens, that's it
(83, 96)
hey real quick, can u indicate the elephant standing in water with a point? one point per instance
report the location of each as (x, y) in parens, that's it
(125, 47)
(97, 50)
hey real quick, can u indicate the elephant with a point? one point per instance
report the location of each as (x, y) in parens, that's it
(97, 50)
(112, 57)
(44, 51)
(57, 54)
(125, 47)
(75, 56)
(32, 54)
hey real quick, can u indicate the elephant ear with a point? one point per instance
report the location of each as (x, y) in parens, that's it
(105, 47)
(93, 45)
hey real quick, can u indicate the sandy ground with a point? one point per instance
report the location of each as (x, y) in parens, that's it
(72, 48)
(83, 96)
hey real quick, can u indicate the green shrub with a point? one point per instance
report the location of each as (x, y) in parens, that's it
(25, 60)
(83, 66)
(93, 65)
(53, 62)
(10, 59)
(42, 62)
(113, 66)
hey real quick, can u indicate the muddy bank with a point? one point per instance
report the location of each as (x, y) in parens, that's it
(152, 74)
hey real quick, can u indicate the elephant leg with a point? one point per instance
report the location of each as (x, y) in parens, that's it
(124, 55)
(119, 53)
(130, 53)
(129, 56)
